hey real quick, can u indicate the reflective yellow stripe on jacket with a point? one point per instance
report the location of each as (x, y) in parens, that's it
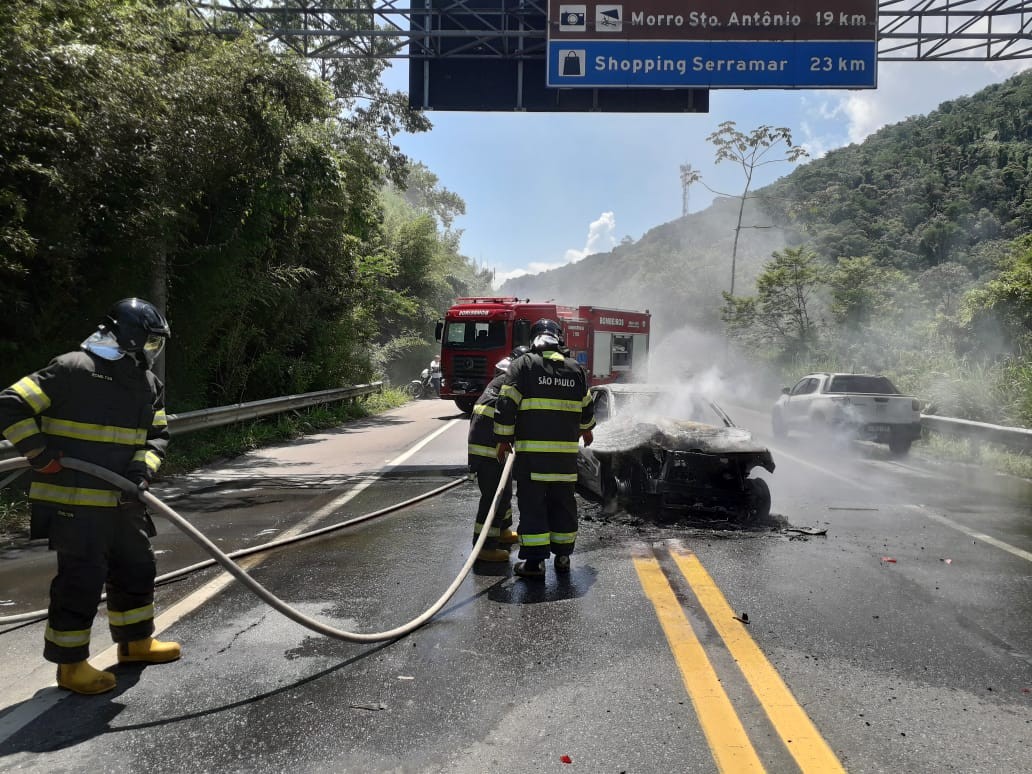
(560, 447)
(149, 458)
(549, 404)
(19, 431)
(86, 431)
(483, 451)
(483, 408)
(31, 393)
(72, 495)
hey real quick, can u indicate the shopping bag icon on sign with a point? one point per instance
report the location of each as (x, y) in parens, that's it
(572, 63)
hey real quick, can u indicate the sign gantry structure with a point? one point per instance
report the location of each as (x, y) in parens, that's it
(636, 55)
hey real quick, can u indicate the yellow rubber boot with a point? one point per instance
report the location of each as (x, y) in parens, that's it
(80, 677)
(149, 651)
(508, 537)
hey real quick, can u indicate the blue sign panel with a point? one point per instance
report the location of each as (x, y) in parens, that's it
(714, 64)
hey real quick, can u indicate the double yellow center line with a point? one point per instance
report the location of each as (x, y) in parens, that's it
(725, 734)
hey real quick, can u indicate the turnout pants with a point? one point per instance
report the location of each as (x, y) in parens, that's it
(548, 518)
(99, 549)
(489, 473)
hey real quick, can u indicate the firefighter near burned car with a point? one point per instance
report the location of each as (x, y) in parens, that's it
(662, 450)
(485, 466)
(543, 409)
(103, 405)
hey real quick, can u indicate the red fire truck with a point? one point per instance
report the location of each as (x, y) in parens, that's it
(477, 332)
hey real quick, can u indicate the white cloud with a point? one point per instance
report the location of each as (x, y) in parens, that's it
(908, 89)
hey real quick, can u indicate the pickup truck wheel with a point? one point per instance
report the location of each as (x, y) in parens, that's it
(899, 447)
(777, 426)
(757, 501)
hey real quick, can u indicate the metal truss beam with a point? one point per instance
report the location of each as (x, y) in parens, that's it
(908, 30)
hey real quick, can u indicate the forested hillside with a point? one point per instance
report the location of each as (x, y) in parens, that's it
(293, 246)
(909, 254)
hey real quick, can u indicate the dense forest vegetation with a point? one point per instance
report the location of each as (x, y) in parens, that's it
(909, 254)
(295, 248)
(266, 209)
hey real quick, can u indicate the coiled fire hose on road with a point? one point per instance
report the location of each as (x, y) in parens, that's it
(254, 586)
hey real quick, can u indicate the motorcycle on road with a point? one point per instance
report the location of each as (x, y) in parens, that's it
(428, 385)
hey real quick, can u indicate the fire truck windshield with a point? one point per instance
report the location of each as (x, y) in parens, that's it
(475, 335)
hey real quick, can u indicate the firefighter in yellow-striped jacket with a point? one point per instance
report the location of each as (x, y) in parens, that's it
(100, 404)
(543, 409)
(485, 466)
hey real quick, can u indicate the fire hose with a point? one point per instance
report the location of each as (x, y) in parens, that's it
(226, 560)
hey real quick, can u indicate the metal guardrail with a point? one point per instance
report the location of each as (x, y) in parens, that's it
(190, 421)
(1016, 438)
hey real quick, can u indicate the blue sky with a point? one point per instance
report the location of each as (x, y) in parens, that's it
(542, 190)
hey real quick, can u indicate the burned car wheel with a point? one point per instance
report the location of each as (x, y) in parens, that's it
(757, 501)
(608, 485)
(629, 477)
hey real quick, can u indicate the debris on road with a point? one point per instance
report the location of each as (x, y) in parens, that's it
(888, 560)
(744, 618)
(806, 530)
(566, 759)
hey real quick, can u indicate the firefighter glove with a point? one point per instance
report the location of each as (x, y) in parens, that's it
(47, 461)
(504, 450)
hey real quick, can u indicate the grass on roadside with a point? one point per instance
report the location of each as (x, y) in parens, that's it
(187, 452)
(989, 456)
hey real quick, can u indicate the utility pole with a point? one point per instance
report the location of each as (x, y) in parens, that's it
(688, 176)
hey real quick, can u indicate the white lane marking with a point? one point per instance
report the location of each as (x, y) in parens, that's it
(1019, 552)
(40, 695)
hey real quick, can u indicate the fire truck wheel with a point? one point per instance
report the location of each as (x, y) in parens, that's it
(465, 405)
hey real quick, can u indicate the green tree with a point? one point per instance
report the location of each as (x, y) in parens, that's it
(761, 147)
(862, 291)
(781, 317)
(999, 313)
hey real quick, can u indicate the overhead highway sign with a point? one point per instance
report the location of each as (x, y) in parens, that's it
(713, 44)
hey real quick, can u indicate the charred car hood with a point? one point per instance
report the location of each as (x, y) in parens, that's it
(620, 434)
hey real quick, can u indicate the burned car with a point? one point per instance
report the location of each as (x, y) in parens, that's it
(660, 448)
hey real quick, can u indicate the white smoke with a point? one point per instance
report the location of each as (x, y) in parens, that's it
(601, 238)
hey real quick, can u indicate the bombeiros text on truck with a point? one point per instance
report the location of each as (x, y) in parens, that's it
(477, 332)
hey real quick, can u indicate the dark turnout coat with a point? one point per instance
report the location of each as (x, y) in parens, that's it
(110, 413)
(543, 407)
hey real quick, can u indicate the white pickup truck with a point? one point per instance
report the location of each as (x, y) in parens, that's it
(860, 405)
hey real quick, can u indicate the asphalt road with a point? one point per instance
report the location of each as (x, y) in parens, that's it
(896, 642)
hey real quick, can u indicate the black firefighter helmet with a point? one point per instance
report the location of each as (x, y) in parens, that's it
(139, 328)
(548, 328)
